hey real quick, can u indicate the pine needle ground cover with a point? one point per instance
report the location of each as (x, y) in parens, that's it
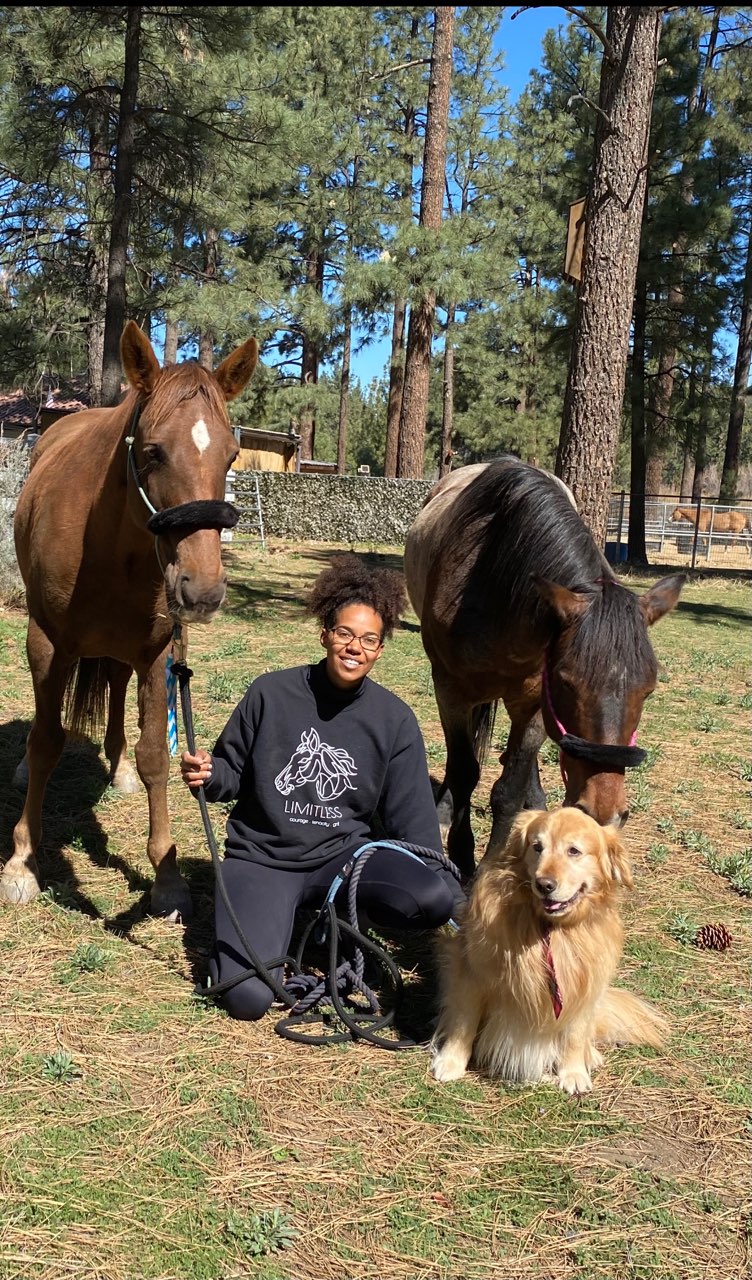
(145, 1136)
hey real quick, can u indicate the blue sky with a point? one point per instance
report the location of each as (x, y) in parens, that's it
(520, 40)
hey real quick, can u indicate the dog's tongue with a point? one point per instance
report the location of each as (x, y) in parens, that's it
(551, 905)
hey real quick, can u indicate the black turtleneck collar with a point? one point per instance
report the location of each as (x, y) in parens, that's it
(322, 686)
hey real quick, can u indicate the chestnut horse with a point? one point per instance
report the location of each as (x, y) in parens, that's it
(734, 522)
(517, 604)
(118, 540)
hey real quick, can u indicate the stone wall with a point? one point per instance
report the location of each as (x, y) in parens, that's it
(327, 508)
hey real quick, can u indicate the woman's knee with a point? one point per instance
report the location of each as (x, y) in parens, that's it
(247, 1001)
(436, 904)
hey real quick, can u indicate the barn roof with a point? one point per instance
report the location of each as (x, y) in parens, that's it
(19, 409)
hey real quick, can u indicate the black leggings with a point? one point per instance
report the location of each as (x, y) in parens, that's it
(396, 891)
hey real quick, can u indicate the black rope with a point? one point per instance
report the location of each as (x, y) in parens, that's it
(354, 1003)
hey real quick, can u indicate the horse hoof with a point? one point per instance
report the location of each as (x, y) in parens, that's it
(172, 902)
(18, 888)
(21, 776)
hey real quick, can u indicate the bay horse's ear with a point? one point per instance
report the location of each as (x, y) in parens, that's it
(661, 598)
(567, 605)
(140, 364)
(236, 369)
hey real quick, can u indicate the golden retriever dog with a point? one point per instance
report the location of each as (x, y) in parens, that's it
(526, 979)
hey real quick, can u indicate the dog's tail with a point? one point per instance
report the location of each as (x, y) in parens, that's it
(626, 1019)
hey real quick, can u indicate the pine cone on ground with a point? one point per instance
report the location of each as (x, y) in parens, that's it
(712, 937)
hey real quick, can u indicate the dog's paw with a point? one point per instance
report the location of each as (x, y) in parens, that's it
(448, 1064)
(593, 1058)
(575, 1080)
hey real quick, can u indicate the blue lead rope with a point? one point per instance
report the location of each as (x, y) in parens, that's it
(171, 683)
(321, 927)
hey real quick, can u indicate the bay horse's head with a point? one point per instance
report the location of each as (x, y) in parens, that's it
(599, 669)
(181, 446)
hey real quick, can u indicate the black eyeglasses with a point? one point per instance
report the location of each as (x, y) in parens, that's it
(368, 642)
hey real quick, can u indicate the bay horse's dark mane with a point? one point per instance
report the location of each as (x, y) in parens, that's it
(515, 522)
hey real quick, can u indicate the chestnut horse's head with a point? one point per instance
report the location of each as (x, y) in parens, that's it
(599, 669)
(180, 448)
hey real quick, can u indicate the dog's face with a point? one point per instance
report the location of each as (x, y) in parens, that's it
(569, 861)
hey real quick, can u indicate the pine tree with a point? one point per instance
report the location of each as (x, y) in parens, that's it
(591, 416)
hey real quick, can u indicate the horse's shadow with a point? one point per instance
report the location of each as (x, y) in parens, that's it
(76, 785)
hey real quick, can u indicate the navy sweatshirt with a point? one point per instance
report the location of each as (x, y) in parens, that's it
(310, 764)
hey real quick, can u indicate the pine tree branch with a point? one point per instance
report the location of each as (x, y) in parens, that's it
(597, 31)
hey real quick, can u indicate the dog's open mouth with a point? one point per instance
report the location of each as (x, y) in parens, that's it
(553, 907)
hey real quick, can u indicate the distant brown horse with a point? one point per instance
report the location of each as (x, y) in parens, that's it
(517, 603)
(118, 538)
(735, 522)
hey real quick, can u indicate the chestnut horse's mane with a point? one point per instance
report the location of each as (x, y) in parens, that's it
(174, 384)
(493, 536)
(179, 382)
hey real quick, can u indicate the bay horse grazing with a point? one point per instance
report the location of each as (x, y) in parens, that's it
(117, 535)
(517, 604)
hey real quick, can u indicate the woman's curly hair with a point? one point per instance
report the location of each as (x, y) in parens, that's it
(347, 580)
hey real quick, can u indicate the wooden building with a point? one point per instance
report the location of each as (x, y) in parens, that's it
(267, 450)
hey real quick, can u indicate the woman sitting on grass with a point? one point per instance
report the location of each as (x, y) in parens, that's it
(311, 755)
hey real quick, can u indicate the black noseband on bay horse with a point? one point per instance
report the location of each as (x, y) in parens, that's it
(608, 756)
(203, 513)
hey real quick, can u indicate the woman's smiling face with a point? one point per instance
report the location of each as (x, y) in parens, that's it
(350, 657)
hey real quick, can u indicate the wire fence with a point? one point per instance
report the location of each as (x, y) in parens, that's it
(691, 532)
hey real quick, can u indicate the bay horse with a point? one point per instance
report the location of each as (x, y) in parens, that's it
(517, 604)
(117, 533)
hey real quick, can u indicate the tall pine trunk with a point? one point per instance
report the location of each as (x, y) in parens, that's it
(206, 337)
(636, 549)
(344, 395)
(741, 379)
(397, 354)
(115, 311)
(447, 396)
(411, 444)
(309, 366)
(96, 254)
(396, 384)
(591, 418)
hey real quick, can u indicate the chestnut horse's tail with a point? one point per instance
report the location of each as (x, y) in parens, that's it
(85, 697)
(484, 718)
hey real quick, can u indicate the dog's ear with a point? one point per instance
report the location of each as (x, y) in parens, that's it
(621, 869)
(515, 848)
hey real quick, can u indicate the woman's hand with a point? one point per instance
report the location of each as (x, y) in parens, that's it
(196, 769)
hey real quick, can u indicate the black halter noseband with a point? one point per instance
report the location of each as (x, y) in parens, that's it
(208, 513)
(608, 756)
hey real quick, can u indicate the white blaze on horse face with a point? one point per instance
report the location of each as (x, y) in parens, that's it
(200, 435)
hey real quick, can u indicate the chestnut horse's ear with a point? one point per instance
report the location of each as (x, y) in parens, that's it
(236, 369)
(621, 869)
(567, 605)
(140, 364)
(661, 598)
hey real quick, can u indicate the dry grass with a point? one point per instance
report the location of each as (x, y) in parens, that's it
(153, 1150)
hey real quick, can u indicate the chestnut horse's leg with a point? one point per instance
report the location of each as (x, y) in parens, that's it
(462, 773)
(20, 878)
(519, 786)
(170, 895)
(122, 774)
